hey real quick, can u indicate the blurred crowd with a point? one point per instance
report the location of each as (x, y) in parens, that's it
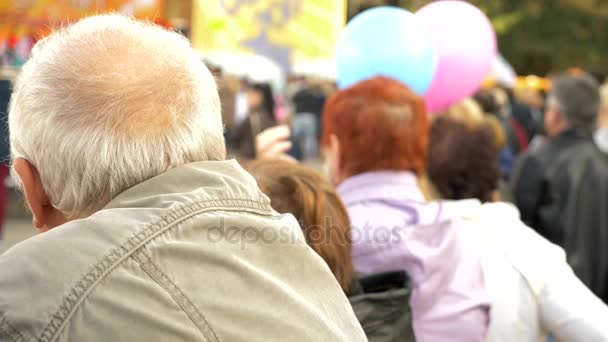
(250, 107)
(347, 215)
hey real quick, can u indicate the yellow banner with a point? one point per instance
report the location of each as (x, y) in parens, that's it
(286, 31)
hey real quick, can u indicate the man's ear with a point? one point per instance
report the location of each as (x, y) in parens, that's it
(552, 122)
(45, 216)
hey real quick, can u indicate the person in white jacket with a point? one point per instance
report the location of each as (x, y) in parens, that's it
(533, 291)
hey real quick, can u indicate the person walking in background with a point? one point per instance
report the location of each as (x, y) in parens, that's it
(260, 102)
(375, 137)
(570, 118)
(149, 234)
(5, 96)
(533, 290)
(379, 300)
(580, 197)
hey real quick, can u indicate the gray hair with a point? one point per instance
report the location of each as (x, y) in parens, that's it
(108, 103)
(577, 99)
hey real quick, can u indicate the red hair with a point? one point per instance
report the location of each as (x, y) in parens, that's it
(380, 124)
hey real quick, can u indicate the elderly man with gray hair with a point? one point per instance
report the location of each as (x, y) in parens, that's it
(149, 234)
(561, 188)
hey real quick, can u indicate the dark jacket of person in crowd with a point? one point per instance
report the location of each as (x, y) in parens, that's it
(379, 300)
(579, 212)
(571, 114)
(261, 117)
(533, 182)
(308, 100)
(572, 111)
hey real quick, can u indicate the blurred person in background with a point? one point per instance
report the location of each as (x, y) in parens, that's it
(308, 104)
(489, 103)
(227, 98)
(149, 234)
(375, 137)
(523, 123)
(261, 105)
(378, 300)
(241, 108)
(5, 96)
(533, 290)
(579, 194)
(570, 118)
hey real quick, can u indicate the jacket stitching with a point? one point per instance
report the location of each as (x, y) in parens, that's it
(85, 285)
(7, 329)
(176, 293)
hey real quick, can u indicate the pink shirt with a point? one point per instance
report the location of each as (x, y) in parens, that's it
(394, 228)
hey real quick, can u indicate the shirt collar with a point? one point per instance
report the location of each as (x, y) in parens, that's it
(380, 185)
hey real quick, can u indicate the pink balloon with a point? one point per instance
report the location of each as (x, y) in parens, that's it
(466, 45)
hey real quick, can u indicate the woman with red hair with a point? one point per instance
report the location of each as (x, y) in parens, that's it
(375, 137)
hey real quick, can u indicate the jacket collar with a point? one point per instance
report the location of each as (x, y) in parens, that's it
(571, 135)
(206, 180)
(380, 185)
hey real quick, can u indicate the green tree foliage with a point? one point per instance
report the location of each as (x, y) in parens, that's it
(540, 36)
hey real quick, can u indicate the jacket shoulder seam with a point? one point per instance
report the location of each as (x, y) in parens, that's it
(117, 255)
(176, 294)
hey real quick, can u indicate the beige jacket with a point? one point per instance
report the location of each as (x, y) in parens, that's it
(195, 254)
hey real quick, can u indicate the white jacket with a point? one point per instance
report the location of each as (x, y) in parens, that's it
(532, 288)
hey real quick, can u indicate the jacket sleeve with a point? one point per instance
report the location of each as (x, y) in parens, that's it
(526, 186)
(568, 309)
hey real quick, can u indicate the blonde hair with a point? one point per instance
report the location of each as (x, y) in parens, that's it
(470, 113)
(108, 103)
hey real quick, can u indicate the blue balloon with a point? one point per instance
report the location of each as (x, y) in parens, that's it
(386, 41)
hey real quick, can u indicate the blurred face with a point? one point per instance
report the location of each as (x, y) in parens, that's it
(554, 123)
(254, 98)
